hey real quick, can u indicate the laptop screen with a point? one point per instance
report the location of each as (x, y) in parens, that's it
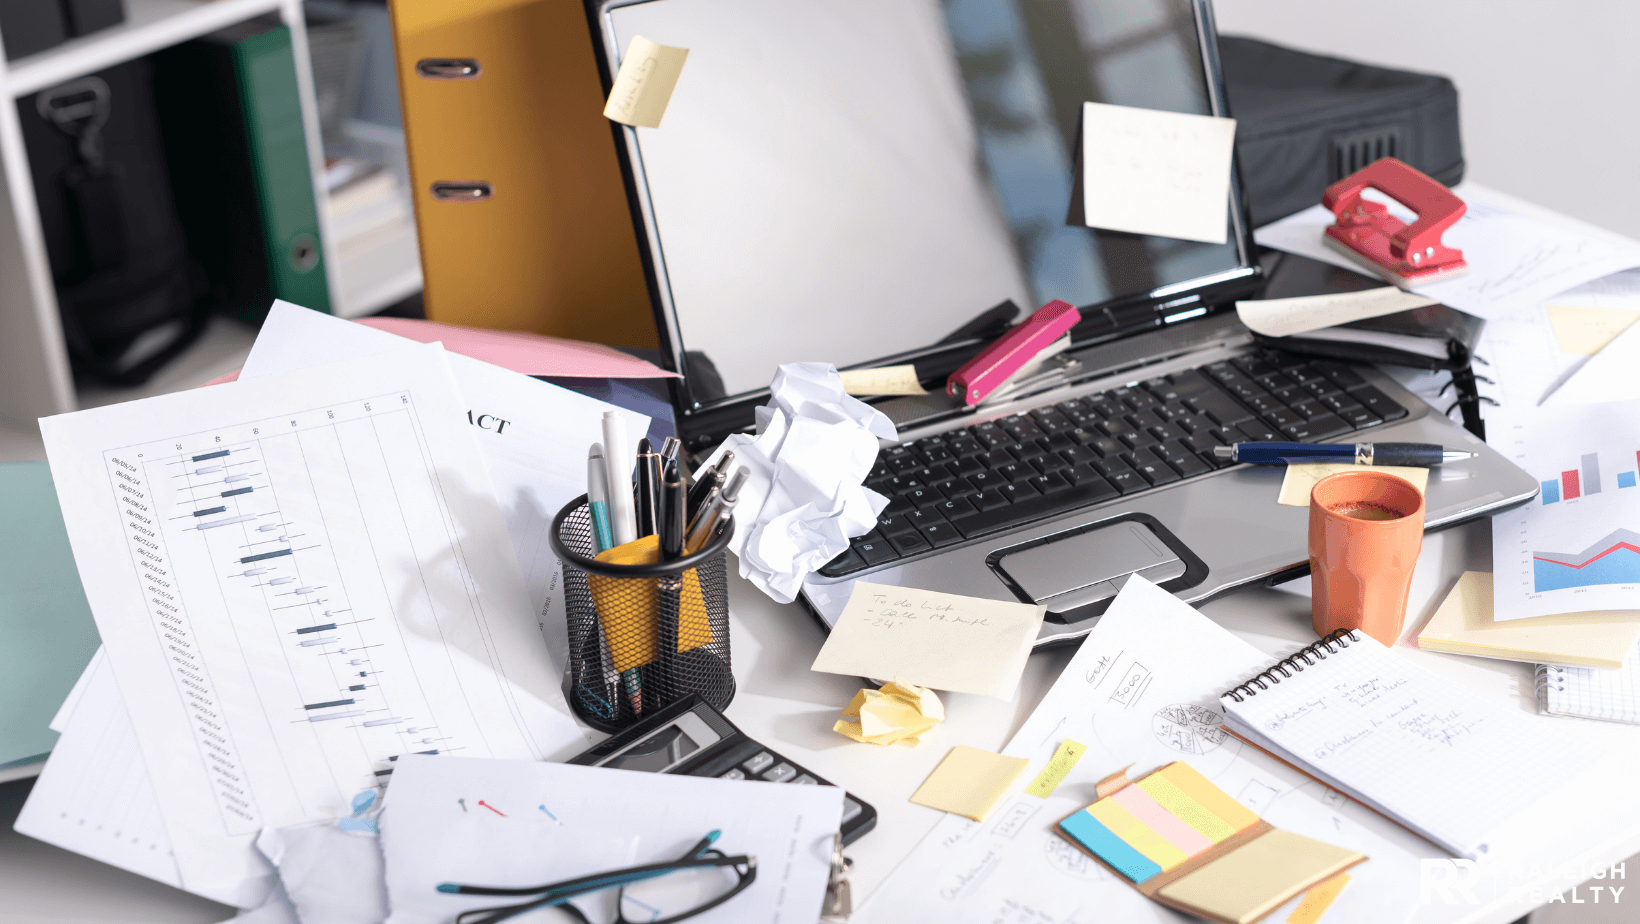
(851, 182)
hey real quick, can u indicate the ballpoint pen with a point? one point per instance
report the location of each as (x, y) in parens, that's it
(670, 448)
(648, 488)
(719, 506)
(623, 525)
(710, 477)
(597, 498)
(1419, 454)
(672, 516)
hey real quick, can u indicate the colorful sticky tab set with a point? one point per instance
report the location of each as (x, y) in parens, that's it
(1161, 821)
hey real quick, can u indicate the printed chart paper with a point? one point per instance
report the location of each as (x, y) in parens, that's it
(1576, 546)
(296, 578)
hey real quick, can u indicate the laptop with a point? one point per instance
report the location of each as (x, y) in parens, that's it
(882, 183)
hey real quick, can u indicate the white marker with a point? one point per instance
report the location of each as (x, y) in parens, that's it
(618, 458)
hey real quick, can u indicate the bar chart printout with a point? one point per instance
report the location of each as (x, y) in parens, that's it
(295, 580)
(1577, 547)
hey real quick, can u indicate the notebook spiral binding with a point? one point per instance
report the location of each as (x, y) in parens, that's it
(1296, 662)
(1548, 676)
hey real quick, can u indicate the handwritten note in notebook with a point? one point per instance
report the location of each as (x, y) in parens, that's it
(1422, 749)
(943, 641)
(1153, 172)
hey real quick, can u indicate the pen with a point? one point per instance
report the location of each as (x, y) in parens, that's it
(719, 506)
(1419, 454)
(597, 498)
(672, 518)
(669, 448)
(623, 525)
(648, 489)
(710, 477)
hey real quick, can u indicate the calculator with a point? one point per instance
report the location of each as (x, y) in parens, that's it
(690, 737)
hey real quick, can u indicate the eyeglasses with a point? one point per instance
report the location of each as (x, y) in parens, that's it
(698, 881)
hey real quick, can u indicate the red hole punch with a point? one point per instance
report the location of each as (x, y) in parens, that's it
(1406, 255)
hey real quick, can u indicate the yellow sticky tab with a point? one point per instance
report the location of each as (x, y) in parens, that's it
(969, 782)
(1212, 798)
(887, 380)
(1186, 809)
(1586, 331)
(1316, 901)
(643, 86)
(1061, 763)
(1137, 834)
(628, 607)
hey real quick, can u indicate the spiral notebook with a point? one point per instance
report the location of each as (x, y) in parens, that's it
(1422, 750)
(1593, 694)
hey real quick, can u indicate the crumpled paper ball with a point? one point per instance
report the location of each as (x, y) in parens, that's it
(899, 713)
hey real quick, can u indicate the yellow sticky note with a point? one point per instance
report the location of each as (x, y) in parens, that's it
(888, 380)
(643, 86)
(1585, 331)
(1463, 624)
(1295, 487)
(1258, 877)
(1207, 795)
(1059, 765)
(969, 782)
(1318, 900)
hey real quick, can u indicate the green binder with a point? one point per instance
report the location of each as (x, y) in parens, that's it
(234, 139)
(46, 633)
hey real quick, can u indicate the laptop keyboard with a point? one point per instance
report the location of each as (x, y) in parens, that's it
(1006, 472)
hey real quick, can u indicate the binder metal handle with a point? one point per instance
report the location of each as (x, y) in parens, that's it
(449, 68)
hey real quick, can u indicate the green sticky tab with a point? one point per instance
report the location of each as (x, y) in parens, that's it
(1059, 765)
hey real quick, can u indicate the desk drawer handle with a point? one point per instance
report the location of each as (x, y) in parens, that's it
(462, 191)
(449, 68)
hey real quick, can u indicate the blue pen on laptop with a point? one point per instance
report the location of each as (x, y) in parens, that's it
(1411, 454)
(598, 498)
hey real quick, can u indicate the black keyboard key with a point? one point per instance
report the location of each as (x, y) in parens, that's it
(1019, 490)
(1255, 431)
(1359, 417)
(880, 469)
(1076, 455)
(1049, 462)
(874, 549)
(988, 499)
(1344, 377)
(891, 523)
(904, 463)
(897, 506)
(1283, 418)
(1195, 423)
(956, 487)
(1321, 427)
(962, 446)
(1050, 421)
(1378, 403)
(1220, 408)
(1135, 398)
(1275, 381)
(941, 534)
(1014, 471)
(1051, 483)
(909, 543)
(850, 560)
(1058, 441)
(1104, 445)
(1124, 479)
(993, 438)
(1202, 443)
(1309, 408)
(925, 497)
(998, 456)
(1188, 465)
(984, 480)
(1165, 432)
(937, 455)
(1321, 388)
(967, 465)
(1157, 472)
(1183, 385)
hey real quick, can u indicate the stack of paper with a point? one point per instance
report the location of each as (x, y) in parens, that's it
(1463, 624)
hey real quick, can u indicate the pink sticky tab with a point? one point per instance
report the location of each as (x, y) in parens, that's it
(1169, 826)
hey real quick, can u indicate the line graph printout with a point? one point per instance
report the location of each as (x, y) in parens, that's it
(295, 579)
(1576, 547)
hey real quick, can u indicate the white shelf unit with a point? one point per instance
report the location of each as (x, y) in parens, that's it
(35, 379)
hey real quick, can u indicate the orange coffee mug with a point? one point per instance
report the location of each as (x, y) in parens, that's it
(1366, 529)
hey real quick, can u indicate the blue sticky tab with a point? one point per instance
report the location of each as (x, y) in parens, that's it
(1088, 832)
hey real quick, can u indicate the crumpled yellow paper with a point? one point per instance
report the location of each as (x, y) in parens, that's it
(898, 713)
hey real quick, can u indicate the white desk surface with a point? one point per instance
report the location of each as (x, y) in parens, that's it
(790, 708)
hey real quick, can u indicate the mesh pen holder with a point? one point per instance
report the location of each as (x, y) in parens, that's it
(642, 635)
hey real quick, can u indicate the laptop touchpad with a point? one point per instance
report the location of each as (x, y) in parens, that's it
(1089, 566)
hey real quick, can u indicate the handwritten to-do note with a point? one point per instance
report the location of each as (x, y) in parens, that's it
(1284, 317)
(887, 380)
(644, 84)
(1059, 765)
(942, 641)
(1153, 172)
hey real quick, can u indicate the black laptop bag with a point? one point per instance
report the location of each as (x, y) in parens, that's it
(127, 290)
(1304, 122)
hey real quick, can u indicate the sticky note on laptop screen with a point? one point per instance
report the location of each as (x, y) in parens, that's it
(1152, 826)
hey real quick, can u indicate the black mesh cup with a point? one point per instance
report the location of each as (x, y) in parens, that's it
(642, 635)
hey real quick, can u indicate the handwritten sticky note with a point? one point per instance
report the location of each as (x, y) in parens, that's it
(1153, 172)
(888, 380)
(969, 782)
(643, 86)
(1061, 763)
(1284, 317)
(1295, 487)
(899, 713)
(1316, 901)
(1585, 331)
(942, 641)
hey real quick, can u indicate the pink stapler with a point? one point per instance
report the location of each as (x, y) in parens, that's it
(1406, 255)
(1000, 361)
